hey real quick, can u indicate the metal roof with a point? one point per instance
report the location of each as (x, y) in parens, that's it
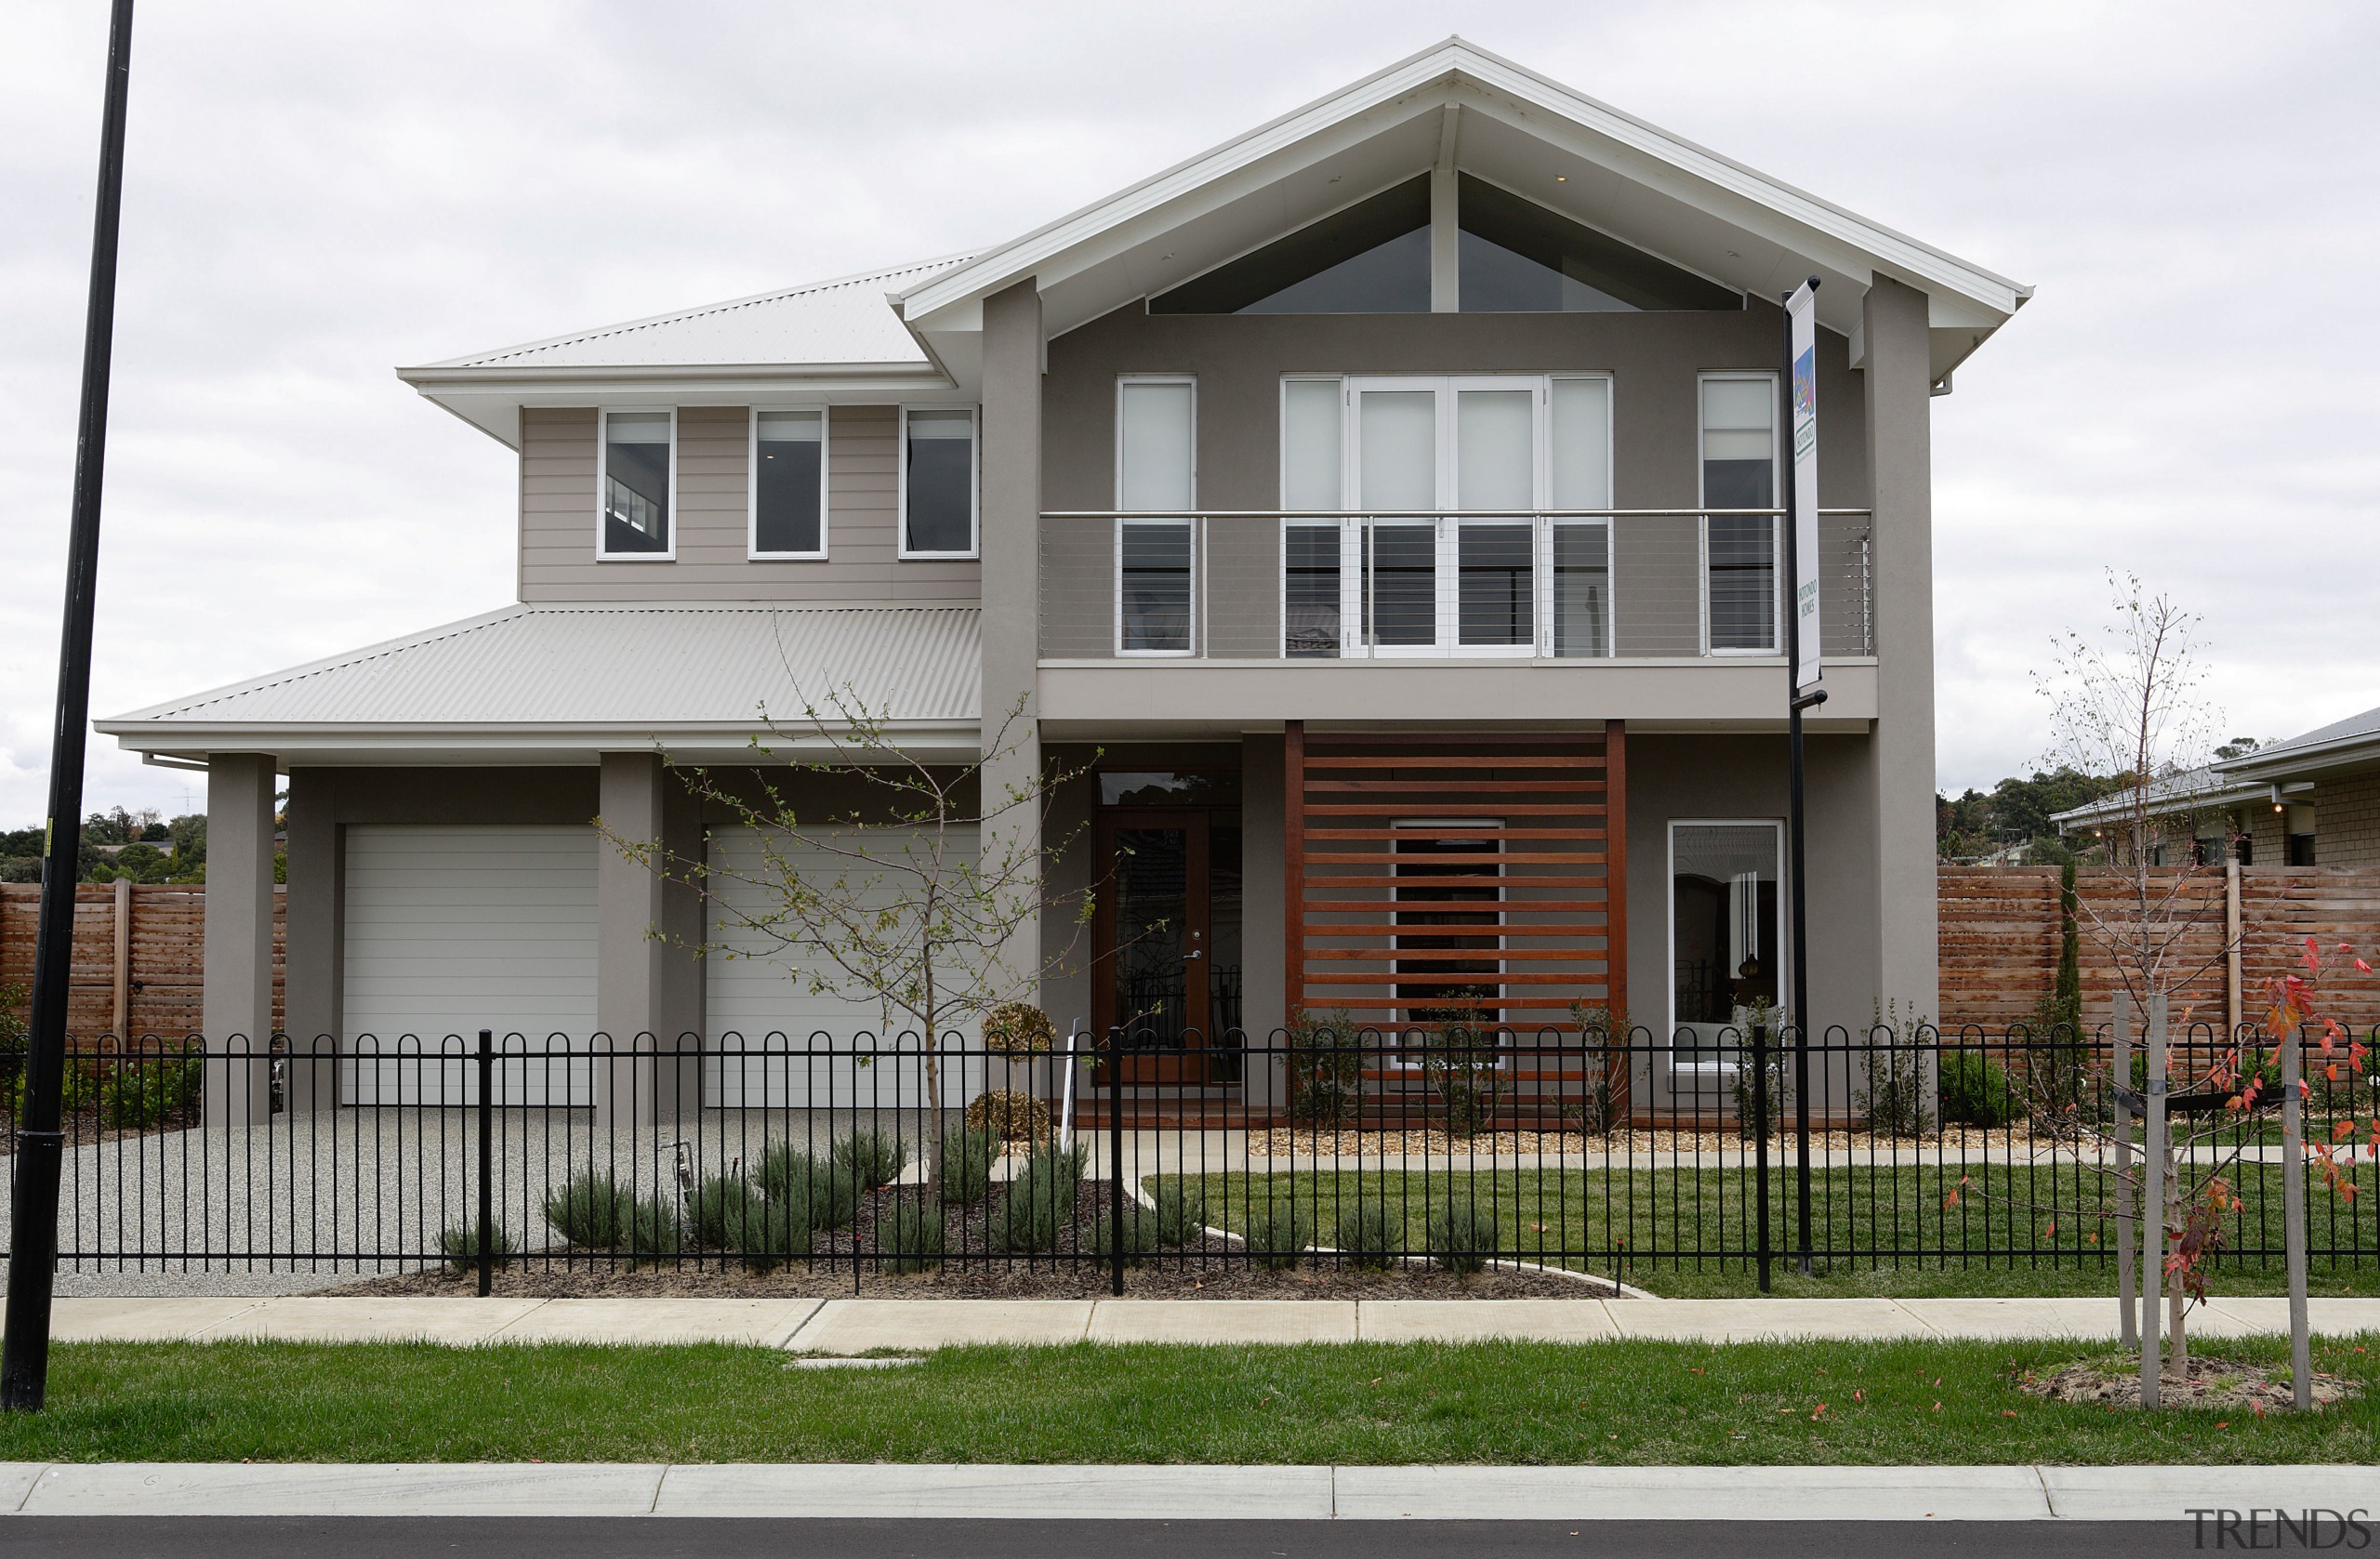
(846, 320)
(2352, 742)
(631, 668)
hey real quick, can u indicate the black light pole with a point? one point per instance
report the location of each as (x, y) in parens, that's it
(32, 1250)
(1796, 701)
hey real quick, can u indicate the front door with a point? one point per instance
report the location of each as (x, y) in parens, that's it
(1167, 938)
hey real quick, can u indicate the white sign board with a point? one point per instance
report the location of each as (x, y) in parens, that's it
(1801, 311)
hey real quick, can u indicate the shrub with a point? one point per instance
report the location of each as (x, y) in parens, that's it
(1369, 1235)
(1278, 1233)
(1325, 1068)
(1462, 1234)
(1139, 1236)
(1976, 1089)
(1463, 1066)
(872, 1158)
(966, 1159)
(1061, 1163)
(1781, 1089)
(1893, 1096)
(1019, 1028)
(651, 1228)
(912, 1235)
(137, 1093)
(1181, 1212)
(716, 1210)
(459, 1243)
(829, 1190)
(1008, 1116)
(765, 1233)
(1036, 1203)
(590, 1210)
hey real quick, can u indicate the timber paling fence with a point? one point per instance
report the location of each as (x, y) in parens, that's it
(1619, 1156)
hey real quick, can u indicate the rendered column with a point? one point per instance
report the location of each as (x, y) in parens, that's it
(314, 941)
(648, 982)
(236, 1010)
(1899, 395)
(1012, 524)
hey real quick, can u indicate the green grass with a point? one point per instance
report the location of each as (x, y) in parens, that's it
(2012, 1229)
(1366, 1402)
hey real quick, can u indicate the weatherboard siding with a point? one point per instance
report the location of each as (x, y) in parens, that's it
(558, 499)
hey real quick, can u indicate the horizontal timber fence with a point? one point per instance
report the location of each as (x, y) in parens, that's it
(140, 958)
(2001, 928)
(1693, 1164)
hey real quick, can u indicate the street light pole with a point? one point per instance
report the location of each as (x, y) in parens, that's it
(32, 1250)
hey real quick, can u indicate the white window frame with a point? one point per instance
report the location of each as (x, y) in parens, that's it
(975, 486)
(604, 415)
(1775, 526)
(752, 484)
(1785, 928)
(1194, 531)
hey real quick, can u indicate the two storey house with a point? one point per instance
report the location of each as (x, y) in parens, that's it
(1377, 515)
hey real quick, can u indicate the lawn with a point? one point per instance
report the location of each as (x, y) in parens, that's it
(2007, 1230)
(1628, 1403)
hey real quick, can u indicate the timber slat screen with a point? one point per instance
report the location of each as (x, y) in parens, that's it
(1464, 880)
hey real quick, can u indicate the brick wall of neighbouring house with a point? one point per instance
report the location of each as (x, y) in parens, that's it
(2000, 936)
(2346, 821)
(166, 948)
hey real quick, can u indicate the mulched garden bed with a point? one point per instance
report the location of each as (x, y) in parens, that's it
(1217, 1266)
(2213, 1382)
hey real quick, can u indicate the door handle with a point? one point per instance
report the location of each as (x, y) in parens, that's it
(1194, 953)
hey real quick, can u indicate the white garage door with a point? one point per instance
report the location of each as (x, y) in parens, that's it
(451, 930)
(763, 1018)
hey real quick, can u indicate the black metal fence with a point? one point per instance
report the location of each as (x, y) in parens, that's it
(1692, 1164)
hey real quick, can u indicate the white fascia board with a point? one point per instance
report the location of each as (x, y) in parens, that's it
(1928, 267)
(491, 400)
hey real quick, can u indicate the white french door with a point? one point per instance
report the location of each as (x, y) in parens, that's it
(1448, 552)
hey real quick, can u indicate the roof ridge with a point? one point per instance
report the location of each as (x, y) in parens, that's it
(707, 310)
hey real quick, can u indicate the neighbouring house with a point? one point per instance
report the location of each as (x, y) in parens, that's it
(2313, 800)
(1384, 504)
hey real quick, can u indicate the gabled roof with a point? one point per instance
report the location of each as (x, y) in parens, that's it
(569, 681)
(2192, 790)
(1459, 103)
(2350, 742)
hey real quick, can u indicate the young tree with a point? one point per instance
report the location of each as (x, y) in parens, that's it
(910, 894)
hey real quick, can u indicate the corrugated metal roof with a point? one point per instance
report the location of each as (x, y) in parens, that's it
(633, 667)
(845, 320)
(2365, 724)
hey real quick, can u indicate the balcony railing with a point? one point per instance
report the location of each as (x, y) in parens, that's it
(1572, 584)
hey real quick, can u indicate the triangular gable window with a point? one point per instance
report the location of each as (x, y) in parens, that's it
(1373, 258)
(1518, 258)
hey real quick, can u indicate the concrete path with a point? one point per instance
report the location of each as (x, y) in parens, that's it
(851, 1327)
(1178, 1493)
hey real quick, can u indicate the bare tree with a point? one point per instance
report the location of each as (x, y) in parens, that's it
(2125, 703)
(910, 895)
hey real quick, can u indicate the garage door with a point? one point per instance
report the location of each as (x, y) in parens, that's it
(453, 930)
(764, 1020)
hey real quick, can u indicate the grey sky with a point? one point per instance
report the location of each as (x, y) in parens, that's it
(318, 192)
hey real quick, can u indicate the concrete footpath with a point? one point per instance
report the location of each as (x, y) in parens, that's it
(1181, 1493)
(848, 1327)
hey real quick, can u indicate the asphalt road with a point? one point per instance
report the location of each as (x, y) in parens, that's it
(542, 1538)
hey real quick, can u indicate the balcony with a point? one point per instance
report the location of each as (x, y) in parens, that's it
(1610, 584)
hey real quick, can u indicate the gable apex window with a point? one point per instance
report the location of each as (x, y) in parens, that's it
(1512, 256)
(938, 486)
(1371, 258)
(637, 482)
(789, 490)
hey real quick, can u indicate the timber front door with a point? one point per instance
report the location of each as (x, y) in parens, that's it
(1168, 926)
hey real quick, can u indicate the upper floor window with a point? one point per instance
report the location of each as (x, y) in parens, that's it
(1458, 543)
(637, 483)
(938, 483)
(1156, 472)
(788, 496)
(1740, 551)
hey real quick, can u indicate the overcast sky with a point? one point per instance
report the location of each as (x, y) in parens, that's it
(319, 192)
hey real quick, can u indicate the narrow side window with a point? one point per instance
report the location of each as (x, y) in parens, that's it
(938, 484)
(635, 485)
(789, 484)
(1740, 471)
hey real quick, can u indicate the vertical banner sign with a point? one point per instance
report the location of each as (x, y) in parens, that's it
(1801, 310)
